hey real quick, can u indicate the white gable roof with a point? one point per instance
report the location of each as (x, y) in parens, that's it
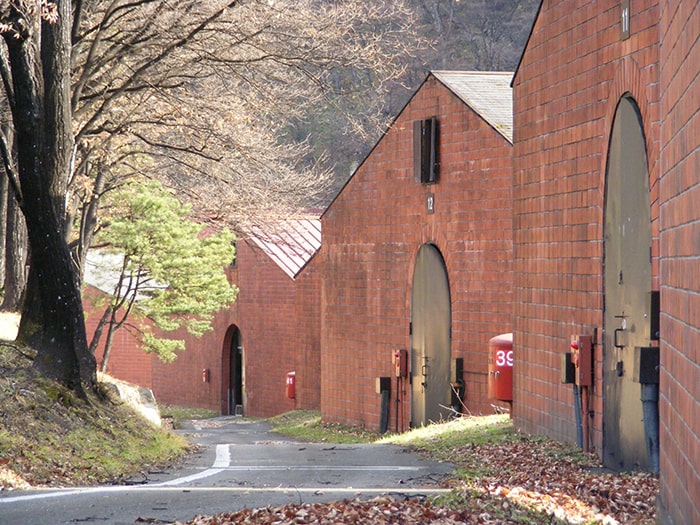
(488, 93)
(102, 270)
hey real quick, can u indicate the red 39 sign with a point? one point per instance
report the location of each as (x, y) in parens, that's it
(504, 358)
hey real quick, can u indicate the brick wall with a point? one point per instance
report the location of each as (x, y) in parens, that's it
(308, 351)
(277, 338)
(680, 272)
(372, 234)
(273, 343)
(573, 72)
(266, 316)
(177, 383)
(125, 360)
(181, 383)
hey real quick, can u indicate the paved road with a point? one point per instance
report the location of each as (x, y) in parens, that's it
(240, 464)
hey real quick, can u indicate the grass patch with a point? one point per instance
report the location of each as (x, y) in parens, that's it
(50, 437)
(437, 440)
(306, 425)
(180, 414)
(441, 439)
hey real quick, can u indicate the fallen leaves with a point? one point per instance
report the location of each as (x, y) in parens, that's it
(569, 485)
(519, 480)
(10, 479)
(382, 510)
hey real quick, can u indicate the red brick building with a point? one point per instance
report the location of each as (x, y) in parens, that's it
(605, 173)
(679, 241)
(417, 256)
(127, 360)
(273, 328)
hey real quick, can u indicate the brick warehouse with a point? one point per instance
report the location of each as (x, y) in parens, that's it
(605, 164)
(605, 101)
(273, 328)
(421, 265)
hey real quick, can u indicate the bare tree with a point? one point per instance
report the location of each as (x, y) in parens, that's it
(487, 35)
(198, 93)
(484, 35)
(192, 92)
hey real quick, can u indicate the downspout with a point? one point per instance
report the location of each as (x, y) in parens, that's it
(584, 417)
(650, 407)
(577, 413)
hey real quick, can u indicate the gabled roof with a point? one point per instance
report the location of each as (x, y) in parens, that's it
(102, 270)
(489, 94)
(290, 243)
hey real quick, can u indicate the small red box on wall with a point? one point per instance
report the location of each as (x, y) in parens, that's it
(291, 385)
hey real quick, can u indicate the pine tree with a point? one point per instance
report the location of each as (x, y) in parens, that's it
(170, 272)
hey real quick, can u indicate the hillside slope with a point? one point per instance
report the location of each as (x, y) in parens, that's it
(49, 437)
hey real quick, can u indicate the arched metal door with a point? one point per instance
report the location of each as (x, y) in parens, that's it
(627, 282)
(431, 318)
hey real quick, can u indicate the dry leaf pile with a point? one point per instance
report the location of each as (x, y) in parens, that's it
(382, 510)
(574, 489)
(8, 478)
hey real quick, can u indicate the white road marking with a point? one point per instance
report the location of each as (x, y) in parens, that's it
(223, 457)
(188, 479)
(222, 462)
(242, 490)
(356, 468)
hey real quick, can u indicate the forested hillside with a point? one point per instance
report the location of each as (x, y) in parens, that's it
(479, 35)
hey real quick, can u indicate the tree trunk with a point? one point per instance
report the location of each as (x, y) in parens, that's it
(56, 64)
(111, 328)
(88, 221)
(4, 192)
(97, 335)
(15, 257)
(61, 343)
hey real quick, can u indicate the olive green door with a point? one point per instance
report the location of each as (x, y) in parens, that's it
(627, 282)
(431, 318)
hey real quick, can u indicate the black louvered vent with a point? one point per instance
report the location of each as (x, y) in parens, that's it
(425, 150)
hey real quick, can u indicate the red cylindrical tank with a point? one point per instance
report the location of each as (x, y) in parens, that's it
(500, 381)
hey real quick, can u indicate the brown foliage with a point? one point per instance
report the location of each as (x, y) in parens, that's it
(197, 93)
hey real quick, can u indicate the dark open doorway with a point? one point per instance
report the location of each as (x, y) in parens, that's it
(233, 402)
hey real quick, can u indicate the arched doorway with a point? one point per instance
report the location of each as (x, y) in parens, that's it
(431, 339)
(627, 288)
(232, 373)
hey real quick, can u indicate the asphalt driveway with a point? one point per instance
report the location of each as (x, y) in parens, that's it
(240, 464)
